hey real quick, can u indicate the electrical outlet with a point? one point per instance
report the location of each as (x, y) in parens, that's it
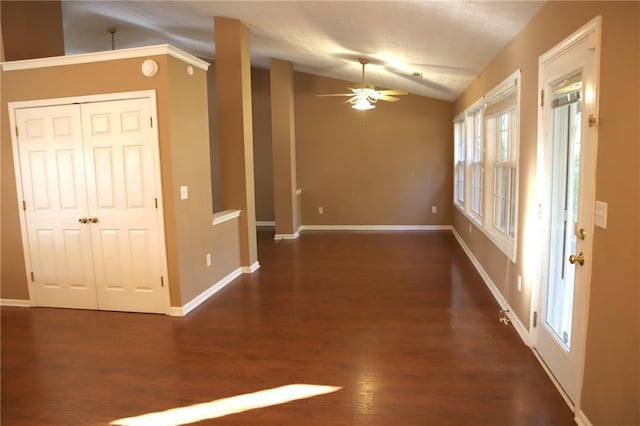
(208, 259)
(434, 209)
(519, 283)
(320, 210)
(184, 192)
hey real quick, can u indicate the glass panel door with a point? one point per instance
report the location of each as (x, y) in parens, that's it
(566, 120)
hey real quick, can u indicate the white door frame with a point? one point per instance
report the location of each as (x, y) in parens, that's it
(592, 32)
(148, 94)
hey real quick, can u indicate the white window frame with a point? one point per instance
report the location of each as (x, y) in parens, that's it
(505, 238)
(459, 162)
(484, 161)
(475, 161)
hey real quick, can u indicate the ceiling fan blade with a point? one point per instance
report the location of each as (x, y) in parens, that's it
(335, 94)
(392, 92)
(387, 98)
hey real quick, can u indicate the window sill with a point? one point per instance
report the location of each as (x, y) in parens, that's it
(507, 247)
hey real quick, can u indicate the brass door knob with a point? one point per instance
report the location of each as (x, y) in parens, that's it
(83, 220)
(93, 219)
(579, 259)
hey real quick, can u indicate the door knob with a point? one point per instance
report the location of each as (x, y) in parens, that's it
(93, 219)
(579, 259)
(83, 220)
(581, 233)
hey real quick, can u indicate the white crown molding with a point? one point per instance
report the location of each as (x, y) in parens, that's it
(224, 216)
(180, 311)
(376, 227)
(15, 303)
(109, 55)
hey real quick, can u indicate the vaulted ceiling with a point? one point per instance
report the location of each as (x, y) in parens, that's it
(429, 48)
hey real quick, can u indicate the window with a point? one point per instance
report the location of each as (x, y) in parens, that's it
(501, 133)
(475, 164)
(459, 161)
(504, 172)
(490, 128)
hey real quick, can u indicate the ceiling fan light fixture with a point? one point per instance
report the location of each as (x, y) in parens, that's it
(363, 96)
(363, 104)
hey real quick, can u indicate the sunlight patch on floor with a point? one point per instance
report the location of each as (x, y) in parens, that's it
(226, 406)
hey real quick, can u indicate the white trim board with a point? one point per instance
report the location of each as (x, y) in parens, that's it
(376, 227)
(294, 236)
(555, 381)
(109, 55)
(224, 216)
(581, 419)
(177, 311)
(265, 223)
(250, 269)
(15, 303)
(517, 324)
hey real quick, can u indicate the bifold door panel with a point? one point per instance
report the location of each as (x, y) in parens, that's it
(89, 186)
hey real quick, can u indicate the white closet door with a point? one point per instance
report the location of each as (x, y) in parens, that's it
(120, 170)
(55, 198)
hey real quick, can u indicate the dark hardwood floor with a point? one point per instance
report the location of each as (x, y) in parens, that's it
(401, 321)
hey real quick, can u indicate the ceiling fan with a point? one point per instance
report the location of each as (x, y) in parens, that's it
(363, 96)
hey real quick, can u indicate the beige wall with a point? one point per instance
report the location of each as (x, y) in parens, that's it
(55, 82)
(386, 166)
(184, 152)
(216, 186)
(262, 150)
(611, 378)
(189, 156)
(32, 29)
(263, 168)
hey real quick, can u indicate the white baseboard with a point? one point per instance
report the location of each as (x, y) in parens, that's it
(293, 236)
(581, 419)
(250, 269)
(555, 381)
(15, 303)
(265, 223)
(375, 227)
(517, 324)
(199, 299)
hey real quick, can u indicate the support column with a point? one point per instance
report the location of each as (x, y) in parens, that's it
(283, 139)
(235, 131)
(31, 29)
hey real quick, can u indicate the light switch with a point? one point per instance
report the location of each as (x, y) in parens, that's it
(601, 214)
(184, 192)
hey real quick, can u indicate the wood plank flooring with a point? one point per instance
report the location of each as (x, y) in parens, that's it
(400, 321)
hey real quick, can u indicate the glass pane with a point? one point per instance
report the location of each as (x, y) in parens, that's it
(476, 186)
(503, 150)
(564, 212)
(512, 201)
(478, 139)
(500, 198)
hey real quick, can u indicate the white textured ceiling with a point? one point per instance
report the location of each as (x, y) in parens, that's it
(449, 42)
